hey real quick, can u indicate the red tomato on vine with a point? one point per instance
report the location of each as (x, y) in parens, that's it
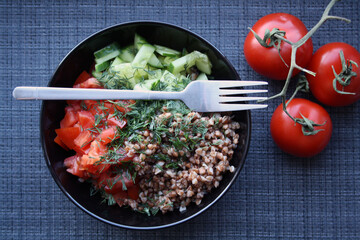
(337, 80)
(266, 60)
(295, 139)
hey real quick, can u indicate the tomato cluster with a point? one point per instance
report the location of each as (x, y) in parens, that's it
(267, 49)
(88, 128)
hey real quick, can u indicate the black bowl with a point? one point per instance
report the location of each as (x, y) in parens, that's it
(81, 58)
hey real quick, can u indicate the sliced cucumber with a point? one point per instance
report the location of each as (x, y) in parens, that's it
(199, 59)
(116, 61)
(203, 64)
(96, 74)
(143, 56)
(167, 52)
(154, 73)
(106, 50)
(155, 62)
(139, 41)
(165, 61)
(107, 53)
(128, 53)
(102, 66)
(147, 85)
(202, 76)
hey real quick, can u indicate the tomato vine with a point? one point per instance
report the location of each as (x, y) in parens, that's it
(276, 37)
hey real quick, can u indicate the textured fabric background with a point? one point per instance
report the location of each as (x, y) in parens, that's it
(275, 196)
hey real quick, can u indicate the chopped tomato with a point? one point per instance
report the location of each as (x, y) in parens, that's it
(109, 108)
(70, 118)
(60, 143)
(67, 135)
(82, 142)
(113, 121)
(72, 164)
(107, 135)
(86, 119)
(97, 148)
(123, 105)
(89, 83)
(133, 192)
(116, 184)
(74, 103)
(82, 77)
(90, 163)
(89, 103)
(119, 197)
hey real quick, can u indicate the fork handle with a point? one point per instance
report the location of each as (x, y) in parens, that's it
(58, 93)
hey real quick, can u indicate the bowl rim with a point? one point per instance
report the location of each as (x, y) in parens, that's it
(222, 193)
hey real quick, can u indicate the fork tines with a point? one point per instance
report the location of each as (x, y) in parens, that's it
(230, 94)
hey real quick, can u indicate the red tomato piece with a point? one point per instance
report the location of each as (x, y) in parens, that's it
(119, 197)
(89, 104)
(113, 121)
(60, 143)
(266, 61)
(109, 108)
(67, 135)
(82, 142)
(133, 192)
(69, 119)
(289, 136)
(107, 135)
(86, 119)
(97, 148)
(124, 106)
(72, 164)
(116, 184)
(322, 63)
(89, 83)
(74, 104)
(82, 77)
(90, 164)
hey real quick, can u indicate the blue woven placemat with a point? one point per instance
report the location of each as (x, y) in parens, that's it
(276, 195)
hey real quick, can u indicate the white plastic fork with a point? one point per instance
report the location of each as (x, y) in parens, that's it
(200, 96)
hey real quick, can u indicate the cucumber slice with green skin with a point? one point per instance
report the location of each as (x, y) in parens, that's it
(204, 65)
(107, 53)
(167, 52)
(102, 66)
(128, 53)
(165, 61)
(143, 56)
(155, 62)
(108, 57)
(96, 74)
(139, 41)
(202, 76)
(116, 61)
(106, 50)
(199, 59)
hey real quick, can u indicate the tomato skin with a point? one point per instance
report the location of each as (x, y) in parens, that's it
(266, 61)
(86, 119)
(288, 135)
(82, 77)
(67, 135)
(89, 83)
(321, 85)
(70, 118)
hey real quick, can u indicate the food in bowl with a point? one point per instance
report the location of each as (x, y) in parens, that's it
(150, 155)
